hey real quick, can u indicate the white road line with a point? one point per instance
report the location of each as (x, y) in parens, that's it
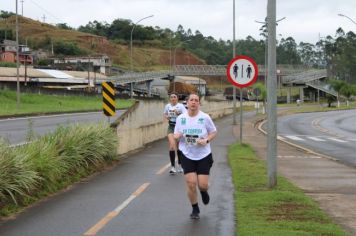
(316, 139)
(295, 138)
(337, 140)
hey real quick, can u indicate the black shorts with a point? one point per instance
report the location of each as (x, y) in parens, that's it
(201, 167)
(170, 129)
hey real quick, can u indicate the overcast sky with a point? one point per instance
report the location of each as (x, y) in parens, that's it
(305, 19)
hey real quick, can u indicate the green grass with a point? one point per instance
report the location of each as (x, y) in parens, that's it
(52, 162)
(284, 210)
(41, 104)
(315, 107)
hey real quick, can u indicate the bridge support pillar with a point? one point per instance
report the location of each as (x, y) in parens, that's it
(131, 89)
(301, 94)
(313, 96)
(149, 88)
(289, 91)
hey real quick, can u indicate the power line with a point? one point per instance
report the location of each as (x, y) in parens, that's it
(48, 13)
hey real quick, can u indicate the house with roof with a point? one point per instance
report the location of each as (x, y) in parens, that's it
(8, 53)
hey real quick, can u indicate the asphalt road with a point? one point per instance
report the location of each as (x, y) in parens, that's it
(136, 197)
(331, 133)
(16, 130)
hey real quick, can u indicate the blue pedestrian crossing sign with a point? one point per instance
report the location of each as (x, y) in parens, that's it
(242, 71)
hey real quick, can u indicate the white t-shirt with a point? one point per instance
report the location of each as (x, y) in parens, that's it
(193, 128)
(170, 111)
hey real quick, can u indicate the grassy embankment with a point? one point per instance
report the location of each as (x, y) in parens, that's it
(42, 104)
(284, 210)
(33, 171)
(50, 163)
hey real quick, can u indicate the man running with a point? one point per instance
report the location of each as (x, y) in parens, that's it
(195, 130)
(171, 111)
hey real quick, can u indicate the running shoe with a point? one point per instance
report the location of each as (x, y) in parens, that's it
(194, 215)
(205, 197)
(179, 169)
(173, 170)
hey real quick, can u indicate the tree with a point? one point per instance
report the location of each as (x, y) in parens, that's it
(348, 91)
(337, 85)
(263, 93)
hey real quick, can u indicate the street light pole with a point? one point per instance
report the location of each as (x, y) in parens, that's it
(266, 51)
(17, 60)
(174, 62)
(233, 56)
(347, 18)
(271, 96)
(131, 63)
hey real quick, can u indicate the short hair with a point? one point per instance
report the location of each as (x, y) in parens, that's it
(173, 94)
(193, 94)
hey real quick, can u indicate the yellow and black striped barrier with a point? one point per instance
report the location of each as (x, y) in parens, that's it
(108, 98)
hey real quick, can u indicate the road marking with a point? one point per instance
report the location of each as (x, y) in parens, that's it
(98, 226)
(338, 140)
(316, 139)
(295, 138)
(163, 169)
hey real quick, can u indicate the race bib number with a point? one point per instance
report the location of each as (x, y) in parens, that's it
(191, 139)
(172, 114)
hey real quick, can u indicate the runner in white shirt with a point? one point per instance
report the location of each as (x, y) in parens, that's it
(171, 111)
(195, 129)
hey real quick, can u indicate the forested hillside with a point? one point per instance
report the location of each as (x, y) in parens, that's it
(157, 48)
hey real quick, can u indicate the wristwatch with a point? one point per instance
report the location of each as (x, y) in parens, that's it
(207, 140)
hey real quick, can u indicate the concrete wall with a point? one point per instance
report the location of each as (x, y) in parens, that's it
(143, 123)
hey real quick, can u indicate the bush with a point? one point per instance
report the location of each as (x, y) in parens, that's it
(67, 48)
(7, 64)
(53, 161)
(16, 176)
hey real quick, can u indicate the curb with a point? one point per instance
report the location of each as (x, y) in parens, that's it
(262, 122)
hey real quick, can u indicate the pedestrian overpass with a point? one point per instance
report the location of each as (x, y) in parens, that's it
(288, 76)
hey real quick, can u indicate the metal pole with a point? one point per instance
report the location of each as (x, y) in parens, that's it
(131, 62)
(271, 96)
(17, 60)
(233, 56)
(347, 18)
(241, 111)
(174, 63)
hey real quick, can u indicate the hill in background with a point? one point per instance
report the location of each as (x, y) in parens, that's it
(41, 36)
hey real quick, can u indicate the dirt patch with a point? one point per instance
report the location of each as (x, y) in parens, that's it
(293, 212)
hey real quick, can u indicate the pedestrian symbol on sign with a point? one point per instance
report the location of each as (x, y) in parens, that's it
(242, 71)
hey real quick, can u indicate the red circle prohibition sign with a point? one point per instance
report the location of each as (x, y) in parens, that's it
(242, 71)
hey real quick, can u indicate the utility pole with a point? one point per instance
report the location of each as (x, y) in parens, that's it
(22, 7)
(271, 96)
(233, 56)
(17, 61)
(44, 18)
(89, 71)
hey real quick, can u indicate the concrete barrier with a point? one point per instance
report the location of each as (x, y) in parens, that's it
(143, 123)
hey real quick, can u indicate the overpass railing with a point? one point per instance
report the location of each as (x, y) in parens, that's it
(304, 77)
(317, 84)
(195, 70)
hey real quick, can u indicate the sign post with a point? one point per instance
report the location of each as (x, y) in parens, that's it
(108, 99)
(242, 72)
